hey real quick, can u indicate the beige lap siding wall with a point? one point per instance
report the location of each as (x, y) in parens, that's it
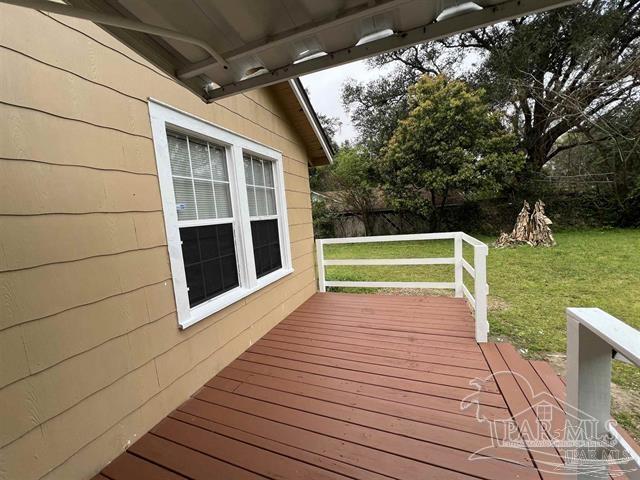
(90, 353)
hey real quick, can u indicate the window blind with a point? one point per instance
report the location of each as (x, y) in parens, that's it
(200, 179)
(201, 189)
(261, 191)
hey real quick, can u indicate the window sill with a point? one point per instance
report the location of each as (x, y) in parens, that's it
(214, 305)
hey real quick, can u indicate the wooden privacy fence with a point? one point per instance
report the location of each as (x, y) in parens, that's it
(478, 271)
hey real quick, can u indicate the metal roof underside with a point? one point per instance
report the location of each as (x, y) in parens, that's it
(214, 46)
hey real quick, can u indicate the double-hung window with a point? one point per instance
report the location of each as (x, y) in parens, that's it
(224, 210)
(261, 196)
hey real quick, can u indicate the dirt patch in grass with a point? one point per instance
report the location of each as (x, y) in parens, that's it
(416, 292)
(496, 304)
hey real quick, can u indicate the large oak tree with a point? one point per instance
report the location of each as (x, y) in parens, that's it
(552, 74)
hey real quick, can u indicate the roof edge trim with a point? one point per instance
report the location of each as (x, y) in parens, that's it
(312, 116)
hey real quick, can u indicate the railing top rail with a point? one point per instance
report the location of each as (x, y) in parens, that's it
(391, 238)
(408, 237)
(622, 337)
(474, 241)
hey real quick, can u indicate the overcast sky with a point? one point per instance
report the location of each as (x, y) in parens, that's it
(325, 92)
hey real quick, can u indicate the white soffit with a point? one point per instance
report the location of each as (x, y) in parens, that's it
(218, 48)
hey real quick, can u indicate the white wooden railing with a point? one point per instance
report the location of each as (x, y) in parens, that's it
(477, 300)
(593, 336)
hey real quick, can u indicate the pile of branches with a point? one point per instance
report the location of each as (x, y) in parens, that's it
(531, 228)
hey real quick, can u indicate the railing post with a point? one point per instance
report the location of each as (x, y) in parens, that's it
(320, 264)
(457, 253)
(588, 391)
(480, 292)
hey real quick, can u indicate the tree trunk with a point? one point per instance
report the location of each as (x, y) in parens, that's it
(364, 215)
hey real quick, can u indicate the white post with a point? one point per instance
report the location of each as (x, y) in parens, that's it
(480, 292)
(320, 265)
(588, 392)
(457, 249)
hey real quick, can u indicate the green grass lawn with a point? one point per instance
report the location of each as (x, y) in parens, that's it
(531, 287)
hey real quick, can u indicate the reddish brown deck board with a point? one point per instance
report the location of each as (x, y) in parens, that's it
(340, 394)
(324, 356)
(281, 448)
(521, 409)
(362, 415)
(351, 453)
(189, 462)
(395, 316)
(387, 322)
(411, 344)
(394, 354)
(436, 350)
(417, 386)
(240, 454)
(405, 335)
(129, 466)
(242, 370)
(463, 331)
(351, 386)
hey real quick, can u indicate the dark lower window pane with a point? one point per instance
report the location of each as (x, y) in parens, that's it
(190, 248)
(209, 244)
(225, 244)
(229, 270)
(210, 261)
(266, 246)
(213, 276)
(274, 251)
(195, 284)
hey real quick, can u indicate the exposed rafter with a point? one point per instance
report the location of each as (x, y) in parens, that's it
(470, 21)
(330, 35)
(302, 31)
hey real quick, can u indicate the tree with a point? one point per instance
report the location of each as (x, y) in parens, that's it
(607, 163)
(378, 106)
(319, 177)
(330, 125)
(352, 173)
(558, 72)
(552, 73)
(450, 141)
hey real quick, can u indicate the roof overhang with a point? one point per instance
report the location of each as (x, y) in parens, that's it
(294, 100)
(218, 48)
(313, 122)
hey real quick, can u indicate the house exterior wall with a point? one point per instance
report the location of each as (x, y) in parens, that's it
(91, 355)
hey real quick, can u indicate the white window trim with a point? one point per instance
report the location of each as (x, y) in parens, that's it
(164, 116)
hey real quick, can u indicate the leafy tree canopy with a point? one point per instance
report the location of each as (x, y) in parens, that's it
(353, 175)
(451, 140)
(551, 73)
(331, 126)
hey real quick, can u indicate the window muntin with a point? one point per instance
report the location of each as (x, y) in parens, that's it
(261, 195)
(209, 261)
(200, 178)
(266, 246)
(261, 191)
(201, 189)
(191, 166)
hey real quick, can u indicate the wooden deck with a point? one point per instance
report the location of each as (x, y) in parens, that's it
(359, 387)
